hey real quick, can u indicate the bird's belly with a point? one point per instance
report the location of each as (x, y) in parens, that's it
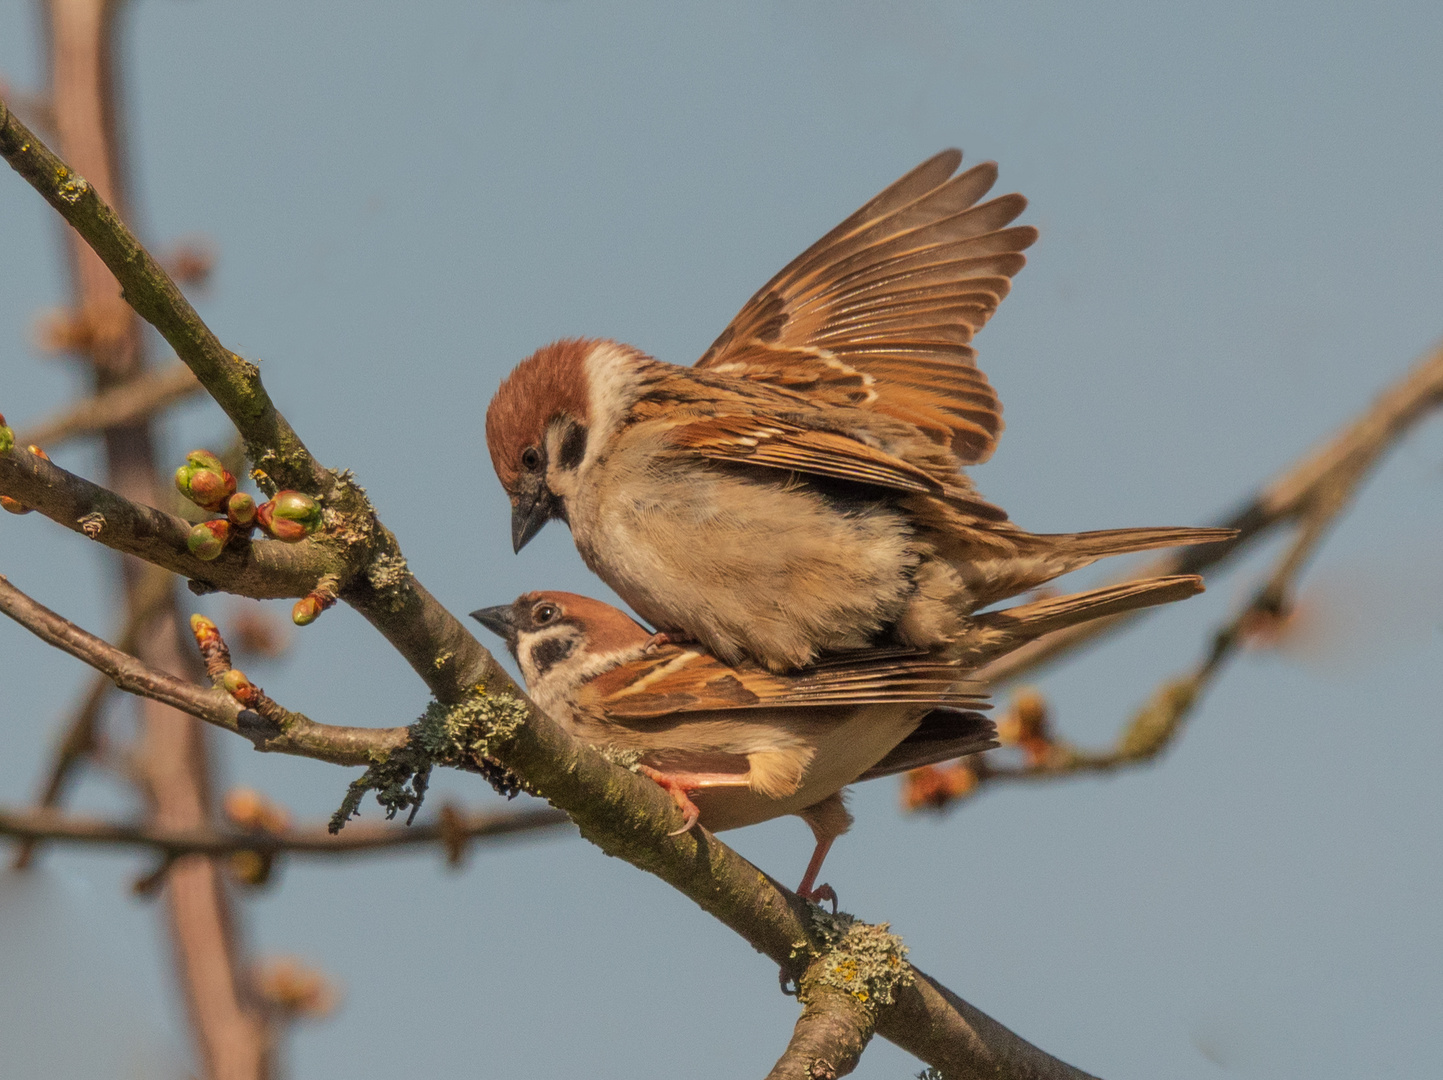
(773, 570)
(841, 754)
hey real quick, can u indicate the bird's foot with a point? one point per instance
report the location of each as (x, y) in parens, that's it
(679, 795)
(823, 892)
(663, 637)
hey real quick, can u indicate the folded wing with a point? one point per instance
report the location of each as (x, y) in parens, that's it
(673, 680)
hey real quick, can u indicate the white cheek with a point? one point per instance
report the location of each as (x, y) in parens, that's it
(611, 378)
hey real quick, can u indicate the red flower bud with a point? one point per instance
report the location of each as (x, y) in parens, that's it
(207, 539)
(204, 480)
(289, 517)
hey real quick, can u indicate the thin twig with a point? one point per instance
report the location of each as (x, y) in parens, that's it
(1314, 507)
(80, 739)
(303, 737)
(139, 399)
(51, 825)
(234, 383)
(1342, 460)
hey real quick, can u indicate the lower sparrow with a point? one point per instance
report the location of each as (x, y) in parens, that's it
(736, 744)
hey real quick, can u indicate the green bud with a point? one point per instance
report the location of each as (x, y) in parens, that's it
(235, 682)
(306, 611)
(7, 437)
(207, 539)
(241, 509)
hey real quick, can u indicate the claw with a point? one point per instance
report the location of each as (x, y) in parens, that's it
(821, 893)
(679, 795)
(661, 637)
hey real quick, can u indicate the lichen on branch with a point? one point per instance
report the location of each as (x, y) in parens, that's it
(465, 735)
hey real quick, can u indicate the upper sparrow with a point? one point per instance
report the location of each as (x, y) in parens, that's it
(800, 490)
(736, 744)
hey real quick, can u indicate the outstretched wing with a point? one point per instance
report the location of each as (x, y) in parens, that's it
(882, 310)
(673, 680)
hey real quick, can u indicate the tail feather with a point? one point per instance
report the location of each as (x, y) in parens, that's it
(1103, 542)
(996, 633)
(942, 735)
(1043, 556)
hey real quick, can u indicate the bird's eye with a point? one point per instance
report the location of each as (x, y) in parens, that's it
(531, 459)
(544, 613)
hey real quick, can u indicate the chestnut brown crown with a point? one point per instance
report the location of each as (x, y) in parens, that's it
(549, 383)
(605, 628)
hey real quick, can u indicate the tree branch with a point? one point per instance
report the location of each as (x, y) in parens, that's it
(829, 1038)
(623, 814)
(1312, 495)
(81, 732)
(261, 569)
(234, 383)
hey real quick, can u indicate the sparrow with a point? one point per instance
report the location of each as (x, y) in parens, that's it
(736, 744)
(800, 490)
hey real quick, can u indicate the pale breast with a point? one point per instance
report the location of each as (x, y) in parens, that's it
(745, 562)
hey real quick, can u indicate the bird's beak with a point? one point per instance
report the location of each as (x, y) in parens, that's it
(500, 620)
(531, 510)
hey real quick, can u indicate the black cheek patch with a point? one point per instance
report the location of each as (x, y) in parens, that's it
(573, 447)
(545, 655)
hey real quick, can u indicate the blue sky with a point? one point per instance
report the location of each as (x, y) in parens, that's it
(1242, 241)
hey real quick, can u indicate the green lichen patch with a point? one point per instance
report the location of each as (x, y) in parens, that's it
(389, 576)
(455, 734)
(627, 759)
(861, 959)
(464, 735)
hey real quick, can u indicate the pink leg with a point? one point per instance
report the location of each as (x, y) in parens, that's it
(680, 785)
(829, 819)
(806, 889)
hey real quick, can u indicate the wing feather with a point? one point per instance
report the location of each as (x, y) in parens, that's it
(897, 292)
(673, 681)
(775, 444)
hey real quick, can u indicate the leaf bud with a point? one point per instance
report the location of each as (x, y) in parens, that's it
(241, 509)
(306, 611)
(236, 684)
